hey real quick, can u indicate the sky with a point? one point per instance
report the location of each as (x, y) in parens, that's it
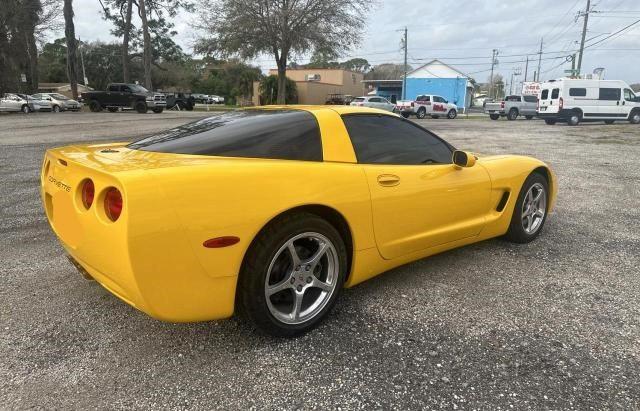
(463, 33)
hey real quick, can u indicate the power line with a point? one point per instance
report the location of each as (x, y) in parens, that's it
(613, 34)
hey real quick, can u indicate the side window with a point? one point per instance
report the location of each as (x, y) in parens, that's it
(609, 94)
(555, 93)
(531, 99)
(439, 99)
(422, 98)
(544, 95)
(125, 89)
(628, 95)
(113, 87)
(578, 92)
(374, 100)
(380, 139)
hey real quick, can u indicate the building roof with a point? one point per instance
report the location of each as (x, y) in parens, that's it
(436, 62)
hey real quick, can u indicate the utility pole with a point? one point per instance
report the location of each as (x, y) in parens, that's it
(539, 60)
(404, 79)
(494, 54)
(526, 69)
(584, 34)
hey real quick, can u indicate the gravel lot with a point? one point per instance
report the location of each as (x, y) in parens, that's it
(553, 324)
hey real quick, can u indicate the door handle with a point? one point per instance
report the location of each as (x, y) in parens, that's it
(617, 103)
(623, 103)
(388, 180)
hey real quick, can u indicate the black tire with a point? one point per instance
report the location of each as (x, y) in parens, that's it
(112, 109)
(158, 110)
(141, 107)
(25, 109)
(528, 117)
(574, 118)
(452, 114)
(405, 114)
(56, 109)
(95, 106)
(634, 117)
(516, 232)
(494, 116)
(550, 121)
(609, 121)
(513, 114)
(189, 107)
(421, 113)
(250, 296)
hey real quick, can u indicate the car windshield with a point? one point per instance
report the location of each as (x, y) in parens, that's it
(358, 99)
(59, 96)
(135, 88)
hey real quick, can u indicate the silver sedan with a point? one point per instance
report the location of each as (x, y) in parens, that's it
(374, 102)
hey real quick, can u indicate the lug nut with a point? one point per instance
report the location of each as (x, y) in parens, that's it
(308, 267)
(293, 280)
(299, 288)
(308, 279)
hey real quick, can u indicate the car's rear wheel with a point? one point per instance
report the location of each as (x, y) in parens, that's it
(422, 113)
(452, 114)
(513, 114)
(25, 109)
(405, 114)
(158, 110)
(56, 109)
(141, 107)
(574, 118)
(550, 121)
(528, 117)
(494, 116)
(530, 211)
(292, 275)
(95, 106)
(634, 117)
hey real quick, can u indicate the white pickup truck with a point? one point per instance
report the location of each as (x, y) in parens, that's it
(427, 104)
(512, 107)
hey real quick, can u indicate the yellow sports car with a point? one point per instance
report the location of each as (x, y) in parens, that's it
(272, 211)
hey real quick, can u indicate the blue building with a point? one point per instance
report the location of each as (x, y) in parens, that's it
(434, 77)
(441, 79)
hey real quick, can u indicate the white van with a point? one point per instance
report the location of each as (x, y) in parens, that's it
(576, 100)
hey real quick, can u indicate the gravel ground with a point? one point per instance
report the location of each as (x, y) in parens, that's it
(552, 324)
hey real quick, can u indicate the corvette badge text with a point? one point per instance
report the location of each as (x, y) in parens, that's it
(60, 184)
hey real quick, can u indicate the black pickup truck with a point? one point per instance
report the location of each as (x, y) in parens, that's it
(120, 95)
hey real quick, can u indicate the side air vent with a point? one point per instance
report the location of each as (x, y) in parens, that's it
(503, 201)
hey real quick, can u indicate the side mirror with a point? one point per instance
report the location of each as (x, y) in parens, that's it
(463, 159)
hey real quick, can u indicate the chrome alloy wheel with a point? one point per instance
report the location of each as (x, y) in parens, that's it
(302, 277)
(534, 208)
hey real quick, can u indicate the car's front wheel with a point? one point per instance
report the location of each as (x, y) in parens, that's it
(452, 114)
(25, 109)
(141, 107)
(292, 275)
(494, 116)
(422, 113)
(405, 114)
(530, 211)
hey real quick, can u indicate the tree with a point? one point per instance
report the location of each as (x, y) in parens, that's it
(249, 28)
(356, 64)
(386, 71)
(72, 50)
(270, 93)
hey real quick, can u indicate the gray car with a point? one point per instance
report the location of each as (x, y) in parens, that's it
(13, 102)
(58, 102)
(374, 102)
(36, 104)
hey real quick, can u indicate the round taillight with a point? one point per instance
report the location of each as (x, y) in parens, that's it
(113, 203)
(88, 192)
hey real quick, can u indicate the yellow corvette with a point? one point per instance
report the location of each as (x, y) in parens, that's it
(272, 211)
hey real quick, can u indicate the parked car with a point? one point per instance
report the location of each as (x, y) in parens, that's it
(120, 95)
(512, 107)
(577, 100)
(200, 98)
(213, 99)
(374, 102)
(428, 104)
(339, 99)
(13, 102)
(201, 221)
(59, 102)
(180, 101)
(36, 104)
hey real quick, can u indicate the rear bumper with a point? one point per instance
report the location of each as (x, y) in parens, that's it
(560, 115)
